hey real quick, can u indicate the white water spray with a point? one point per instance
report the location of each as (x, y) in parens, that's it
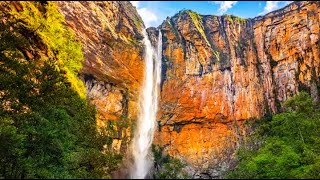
(143, 138)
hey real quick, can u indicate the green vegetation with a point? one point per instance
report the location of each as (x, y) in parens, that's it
(229, 18)
(233, 17)
(138, 22)
(174, 30)
(114, 127)
(49, 26)
(197, 20)
(217, 54)
(167, 167)
(133, 41)
(47, 128)
(290, 144)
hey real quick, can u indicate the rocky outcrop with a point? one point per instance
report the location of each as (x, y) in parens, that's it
(111, 34)
(218, 71)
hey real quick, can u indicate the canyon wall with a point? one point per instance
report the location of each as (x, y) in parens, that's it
(218, 71)
(111, 37)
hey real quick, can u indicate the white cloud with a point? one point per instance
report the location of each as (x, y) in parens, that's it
(135, 3)
(147, 16)
(270, 6)
(273, 5)
(224, 5)
(147, 12)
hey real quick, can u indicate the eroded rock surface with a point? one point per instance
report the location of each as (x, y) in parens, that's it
(221, 70)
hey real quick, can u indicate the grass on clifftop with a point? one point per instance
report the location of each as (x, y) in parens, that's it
(233, 17)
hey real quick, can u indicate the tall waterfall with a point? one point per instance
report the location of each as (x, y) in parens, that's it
(143, 138)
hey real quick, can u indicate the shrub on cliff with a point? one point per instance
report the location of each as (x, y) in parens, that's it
(292, 146)
(167, 167)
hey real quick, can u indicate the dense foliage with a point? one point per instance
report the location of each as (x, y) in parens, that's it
(47, 128)
(167, 167)
(48, 24)
(290, 144)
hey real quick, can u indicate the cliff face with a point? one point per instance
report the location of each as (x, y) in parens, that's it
(110, 33)
(220, 70)
(217, 71)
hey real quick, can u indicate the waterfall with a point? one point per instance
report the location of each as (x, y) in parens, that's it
(143, 137)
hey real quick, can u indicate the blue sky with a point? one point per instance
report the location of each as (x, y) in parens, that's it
(154, 12)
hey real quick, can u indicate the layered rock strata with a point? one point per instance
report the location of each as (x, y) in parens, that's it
(218, 71)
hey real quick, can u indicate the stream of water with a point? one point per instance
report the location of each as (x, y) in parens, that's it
(142, 141)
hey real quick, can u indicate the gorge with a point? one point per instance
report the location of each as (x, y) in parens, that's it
(188, 86)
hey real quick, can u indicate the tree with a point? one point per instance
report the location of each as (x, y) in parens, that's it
(47, 128)
(292, 146)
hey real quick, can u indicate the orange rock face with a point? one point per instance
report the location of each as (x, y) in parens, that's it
(110, 34)
(219, 71)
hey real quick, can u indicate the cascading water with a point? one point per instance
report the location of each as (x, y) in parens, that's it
(142, 140)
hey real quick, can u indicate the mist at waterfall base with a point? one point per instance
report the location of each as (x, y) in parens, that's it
(142, 141)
